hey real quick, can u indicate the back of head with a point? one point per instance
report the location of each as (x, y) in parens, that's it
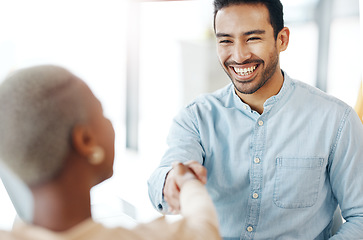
(274, 7)
(39, 106)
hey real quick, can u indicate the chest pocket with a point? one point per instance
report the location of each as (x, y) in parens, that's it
(297, 182)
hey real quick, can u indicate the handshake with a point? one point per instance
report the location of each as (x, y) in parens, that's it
(177, 177)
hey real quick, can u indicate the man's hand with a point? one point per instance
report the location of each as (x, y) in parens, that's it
(175, 179)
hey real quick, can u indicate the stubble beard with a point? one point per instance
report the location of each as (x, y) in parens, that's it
(267, 73)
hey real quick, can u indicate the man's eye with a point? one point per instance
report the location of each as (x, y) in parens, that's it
(254, 39)
(225, 41)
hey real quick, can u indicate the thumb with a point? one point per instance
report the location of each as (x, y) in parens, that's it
(199, 170)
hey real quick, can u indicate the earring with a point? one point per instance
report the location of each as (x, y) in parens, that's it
(97, 156)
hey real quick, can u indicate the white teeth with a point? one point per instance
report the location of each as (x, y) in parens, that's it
(245, 71)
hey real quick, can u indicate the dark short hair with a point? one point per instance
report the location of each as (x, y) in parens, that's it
(274, 7)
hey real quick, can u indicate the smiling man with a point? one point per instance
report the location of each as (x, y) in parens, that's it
(277, 155)
(249, 52)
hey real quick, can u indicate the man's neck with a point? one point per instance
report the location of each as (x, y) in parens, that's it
(271, 88)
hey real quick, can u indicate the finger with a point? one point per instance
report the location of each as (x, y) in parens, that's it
(172, 198)
(198, 169)
(181, 170)
(178, 167)
(182, 174)
(171, 192)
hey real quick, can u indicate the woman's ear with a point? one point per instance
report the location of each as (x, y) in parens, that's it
(283, 39)
(83, 140)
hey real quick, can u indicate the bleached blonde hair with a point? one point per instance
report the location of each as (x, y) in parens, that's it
(39, 106)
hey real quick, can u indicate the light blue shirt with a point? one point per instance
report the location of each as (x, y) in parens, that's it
(278, 175)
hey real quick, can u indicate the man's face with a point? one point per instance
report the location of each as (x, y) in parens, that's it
(246, 46)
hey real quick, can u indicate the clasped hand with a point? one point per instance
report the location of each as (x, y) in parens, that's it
(175, 179)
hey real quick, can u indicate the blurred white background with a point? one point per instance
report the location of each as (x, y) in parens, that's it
(176, 60)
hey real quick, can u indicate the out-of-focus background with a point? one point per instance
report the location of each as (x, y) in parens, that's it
(145, 60)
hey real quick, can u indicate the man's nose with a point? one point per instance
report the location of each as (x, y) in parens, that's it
(241, 53)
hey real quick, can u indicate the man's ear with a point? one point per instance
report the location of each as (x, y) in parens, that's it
(283, 39)
(83, 140)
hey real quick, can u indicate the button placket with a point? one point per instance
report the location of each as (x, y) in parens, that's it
(256, 179)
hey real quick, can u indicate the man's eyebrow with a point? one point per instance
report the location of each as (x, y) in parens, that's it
(254, 32)
(220, 35)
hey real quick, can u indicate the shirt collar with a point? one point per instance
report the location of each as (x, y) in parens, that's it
(286, 88)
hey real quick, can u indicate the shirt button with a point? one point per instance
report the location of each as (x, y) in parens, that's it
(257, 160)
(255, 195)
(260, 122)
(245, 107)
(249, 228)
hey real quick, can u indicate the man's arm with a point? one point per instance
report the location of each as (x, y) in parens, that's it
(346, 176)
(183, 145)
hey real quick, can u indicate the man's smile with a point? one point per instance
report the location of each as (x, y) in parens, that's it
(244, 72)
